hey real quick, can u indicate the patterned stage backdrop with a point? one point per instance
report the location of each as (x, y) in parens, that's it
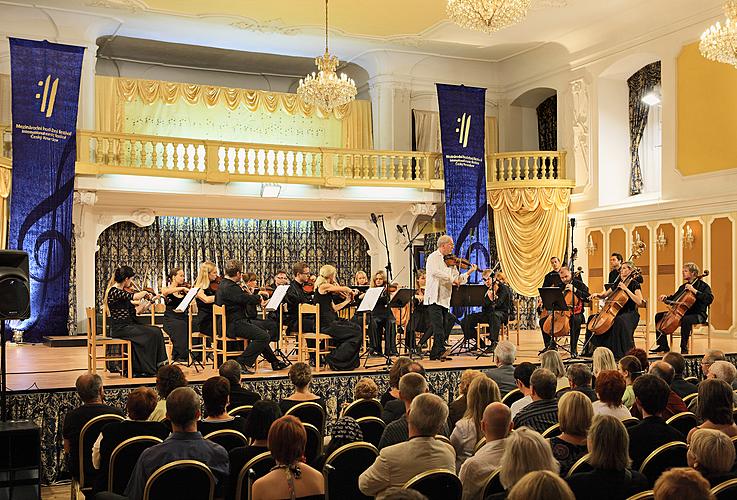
(263, 245)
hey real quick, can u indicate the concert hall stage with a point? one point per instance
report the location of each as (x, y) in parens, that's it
(41, 384)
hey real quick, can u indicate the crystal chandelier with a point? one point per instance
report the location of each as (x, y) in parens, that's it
(487, 15)
(325, 88)
(719, 42)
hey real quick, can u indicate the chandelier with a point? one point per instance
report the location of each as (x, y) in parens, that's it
(719, 42)
(487, 15)
(325, 88)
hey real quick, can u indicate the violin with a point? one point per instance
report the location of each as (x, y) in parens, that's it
(678, 307)
(309, 285)
(452, 260)
(215, 284)
(265, 291)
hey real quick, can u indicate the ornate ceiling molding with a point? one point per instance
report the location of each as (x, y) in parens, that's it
(268, 26)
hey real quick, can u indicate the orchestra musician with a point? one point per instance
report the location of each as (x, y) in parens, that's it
(615, 261)
(206, 282)
(495, 307)
(620, 337)
(250, 284)
(551, 279)
(280, 278)
(696, 314)
(361, 279)
(383, 322)
(235, 300)
(418, 319)
(570, 283)
(147, 340)
(295, 296)
(175, 323)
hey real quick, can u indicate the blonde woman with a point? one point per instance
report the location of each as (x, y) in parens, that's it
(525, 451)
(712, 453)
(361, 279)
(553, 362)
(574, 415)
(383, 322)
(541, 485)
(205, 297)
(457, 408)
(603, 360)
(467, 432)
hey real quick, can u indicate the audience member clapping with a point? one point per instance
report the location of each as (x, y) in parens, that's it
(610, 387)
(541, 485)
(682, 482)
(575, 412)
(712, 453)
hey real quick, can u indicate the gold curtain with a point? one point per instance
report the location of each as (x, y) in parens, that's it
(4, 205)
(530, 227)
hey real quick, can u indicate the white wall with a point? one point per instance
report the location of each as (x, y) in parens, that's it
(614, 158)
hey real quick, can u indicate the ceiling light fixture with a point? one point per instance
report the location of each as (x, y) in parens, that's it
(719, 42)
(325, 88)
(487, 15)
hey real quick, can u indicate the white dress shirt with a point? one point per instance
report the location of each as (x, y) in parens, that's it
(519, 404)
(439, 280)
(475, 471)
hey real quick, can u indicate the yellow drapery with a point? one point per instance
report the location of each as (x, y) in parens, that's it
(530, 227)
(4, 205)
(112, 92)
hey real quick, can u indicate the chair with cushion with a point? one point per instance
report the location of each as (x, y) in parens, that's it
(630, 421)
(436, 484)
(683, 422)
(87, 437)
(552, 431)
(121, 349)
(645, 495)
(241, 411)
(664, 457)
(181, 479)
(372, 429)
(512, 396)
(363, 408)
(309, 412)
(228, 438)
(725, 491)
(493, 484)
(313, 448)
(343, 467)
(123, 460)
(258, 466)
(581, 465)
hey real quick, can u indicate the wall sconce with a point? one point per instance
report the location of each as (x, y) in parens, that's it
(688, 237)
(660, 240)
(590, 245)
(637, 243)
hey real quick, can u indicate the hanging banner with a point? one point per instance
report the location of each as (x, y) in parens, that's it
(462, 112)
(45, 93)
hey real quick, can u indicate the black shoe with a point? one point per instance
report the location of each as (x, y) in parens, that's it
(658, 350)
(684, 350)
(544, 349)
(247, 370)
(278, 365)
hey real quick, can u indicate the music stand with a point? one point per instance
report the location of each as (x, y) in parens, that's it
(273, 305)
(367, 305)
(554, 301)
(466, 296)
(401, 298)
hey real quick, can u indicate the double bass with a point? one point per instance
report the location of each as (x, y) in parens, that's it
(678, 307)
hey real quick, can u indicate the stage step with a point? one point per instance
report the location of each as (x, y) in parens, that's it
(65, 340)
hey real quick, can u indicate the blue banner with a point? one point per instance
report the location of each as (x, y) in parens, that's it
(45, 91)
(462, 120)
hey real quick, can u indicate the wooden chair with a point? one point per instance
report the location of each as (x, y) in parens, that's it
(87, 437)
(581, 465)
(228, 438)
(343, 467)
(181, 479)
(664, 457)
(123, 460)
(372, 429)
(322, 342)
(220, 338)
(696, 328)
(94, 341)
(643, 326)
(363, 408)
(258, 466)
(482, 330)
(206, 346)
(436, 484)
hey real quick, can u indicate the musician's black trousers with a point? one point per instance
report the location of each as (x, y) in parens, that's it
(687, 323)
(576, 321)
(495, 319)
(438, 318)
(258, 342)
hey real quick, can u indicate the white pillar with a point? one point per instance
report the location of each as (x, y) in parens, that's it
(392, 113)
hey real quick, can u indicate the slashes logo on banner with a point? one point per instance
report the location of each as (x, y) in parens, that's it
(45, 91)
(462, 117)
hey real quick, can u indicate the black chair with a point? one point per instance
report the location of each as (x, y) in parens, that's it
(372, 429)
(436, 484)
(123, 460)
(581, 465)
(725, 491)
(493, 484)
(363, 408)
(645, 495)
(241, 411)
(258, 466)
(664, 457)
(309, 412)
(512, 396)
(181, 479)
(87, 437)
(228, 438)
(734, 442)
(630, 421)
(313, 448)
(552, 431)
(683, 422)
(343, 467)
(690, 397)
(692, 380)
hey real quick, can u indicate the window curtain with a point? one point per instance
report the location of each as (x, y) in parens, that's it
(263, 245)
(547, 124)
(642, 82)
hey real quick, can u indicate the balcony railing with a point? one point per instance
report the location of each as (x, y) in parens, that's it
(527, 168)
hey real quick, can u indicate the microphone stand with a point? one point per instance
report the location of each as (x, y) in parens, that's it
(388, 257)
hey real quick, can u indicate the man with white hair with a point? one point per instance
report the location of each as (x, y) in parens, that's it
(722, 370)
(438, 288)
(505, 354)
(399, 463)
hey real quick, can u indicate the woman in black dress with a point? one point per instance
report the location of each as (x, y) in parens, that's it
(147, 341)
(383, 322)
(345, 333)
(175, 323)
(207, 277)
(620, 337)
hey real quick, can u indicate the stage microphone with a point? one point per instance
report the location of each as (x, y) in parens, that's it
(573, 222)
(374, 219)
(399, 229)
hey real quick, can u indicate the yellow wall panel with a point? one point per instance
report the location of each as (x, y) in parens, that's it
(721, 272)
(665, 259)
(695, 252)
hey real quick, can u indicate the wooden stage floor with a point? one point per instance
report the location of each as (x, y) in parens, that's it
(33, 367)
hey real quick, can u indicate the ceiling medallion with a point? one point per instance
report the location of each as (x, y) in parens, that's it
(487, 15)
(719, 42)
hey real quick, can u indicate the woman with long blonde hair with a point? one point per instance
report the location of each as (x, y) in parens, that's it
(467, 432)
(205, 297)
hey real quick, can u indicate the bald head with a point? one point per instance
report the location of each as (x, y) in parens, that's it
(663, 370)
(497, 421)
(89, 388)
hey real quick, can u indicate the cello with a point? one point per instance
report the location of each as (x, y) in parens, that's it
(678, 307)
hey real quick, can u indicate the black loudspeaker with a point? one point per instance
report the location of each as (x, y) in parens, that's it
(15, 289)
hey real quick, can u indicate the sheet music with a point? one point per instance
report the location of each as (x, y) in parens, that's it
(369, 300)
(277, 297)
(184, 304)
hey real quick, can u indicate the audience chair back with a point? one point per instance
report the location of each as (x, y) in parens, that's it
(87, 437)
(664, 457)
(241, 411)
(309, 412)
(512, 396)
(581, 465)
(630, 421)
(690, 397)
(725, 491)
(692, 380)
(445, 440)
(313, 448)
(552, 431)
(258, 466)
(693, 404)
(372, 429)
(645, 495)
(734, 442)
(123, 460)
(493, 484)
(228, 438)
(363, 408)
(437, 484)
(684, 422)
(481, 442)
(343, 467)
(181, 479)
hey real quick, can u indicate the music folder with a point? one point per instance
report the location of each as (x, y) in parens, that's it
(184, 304)
(402, 297)
(369, 300)
(277, 297)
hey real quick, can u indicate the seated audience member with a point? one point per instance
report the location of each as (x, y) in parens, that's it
(168, 378)
(397, 464)
(723, 370)
(411, 385)
(184, 443)
(524, 451)
(602, 360)
(710, 356)
(505, 353)
(141, 402)
(395, 373)
(641, 356)
(541, 485)
(300, 374)
(715, 407)
(365, 388)
(712, 453)
(258, 423)
(630, 368)
(215, 392)
(675, 405)
(345, 431)
(579, 378)
(496, 426)
(90, 391)
(482, 392)
(395, 408)
(574, 416)
(396, 493)
(543, 411)
(457, 408)
(610, 386)
(611, 478)
(679, 385)
(552, 361)
(522, 374)
(239, 395)
(682, 482)
(290, 478)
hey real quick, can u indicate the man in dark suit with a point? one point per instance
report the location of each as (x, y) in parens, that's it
(675, 404)
(505, 353)
(679, 385)
(651, 395)
(239, 395)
